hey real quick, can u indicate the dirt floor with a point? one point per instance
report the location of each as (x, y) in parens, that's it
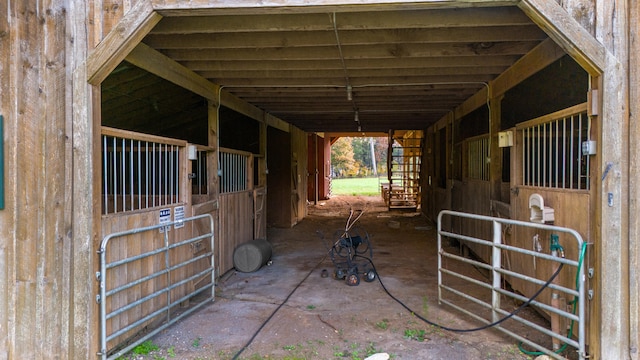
(324, 318)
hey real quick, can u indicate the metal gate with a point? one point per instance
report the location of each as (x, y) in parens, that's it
(156, 308)
(497, 272)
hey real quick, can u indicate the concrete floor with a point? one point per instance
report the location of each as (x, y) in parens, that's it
(325, 318)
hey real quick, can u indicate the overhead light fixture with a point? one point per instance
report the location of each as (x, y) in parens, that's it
(356, 118)
(349, 93)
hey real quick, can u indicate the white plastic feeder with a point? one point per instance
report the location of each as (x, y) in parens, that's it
(539, 212)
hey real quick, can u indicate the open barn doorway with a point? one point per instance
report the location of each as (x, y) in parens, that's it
(313, 119)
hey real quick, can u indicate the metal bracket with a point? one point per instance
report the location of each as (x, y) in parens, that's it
(98, 299)
(590, 294)
(98, 276)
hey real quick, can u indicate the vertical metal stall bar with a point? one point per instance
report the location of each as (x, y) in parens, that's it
(557, 167)
(159, 176)
(579, 158)
(234, 176)
(222, 172)
(146, 170)
(115, 176)
(131, 174)
(537, 156)
(245, 173)
(496, 259)
(571, 155)
(105, 174)
(544, 155)
(173, 165)
(153, 174)
(139, 177)
(525, 162)
(123, 172)
(176, 173)
(564, 152)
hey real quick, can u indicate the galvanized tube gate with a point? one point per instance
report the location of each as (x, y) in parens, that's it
(162, 314)
(498, 272)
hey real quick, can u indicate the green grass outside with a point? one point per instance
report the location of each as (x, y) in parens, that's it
(356, 186)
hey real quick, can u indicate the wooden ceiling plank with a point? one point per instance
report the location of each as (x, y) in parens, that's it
(302, 74)
(354, 64)
(339, 81)
(351, 37)
(235, 7)
(382, 51)
(419, 19)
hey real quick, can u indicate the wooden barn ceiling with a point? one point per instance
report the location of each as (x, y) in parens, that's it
(405, 69)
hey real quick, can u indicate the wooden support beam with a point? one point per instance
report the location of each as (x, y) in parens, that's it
(156, 63)
(540, 57)
(568, 33)
(120, 41)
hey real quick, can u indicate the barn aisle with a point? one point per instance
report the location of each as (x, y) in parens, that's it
(325, 318)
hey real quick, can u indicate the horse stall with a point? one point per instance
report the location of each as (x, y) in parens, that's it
(156, 257)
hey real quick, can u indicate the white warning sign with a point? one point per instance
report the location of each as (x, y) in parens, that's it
(178, 217)
(165, 218)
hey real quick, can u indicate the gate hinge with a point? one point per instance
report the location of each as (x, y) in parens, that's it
(98, 276)
(98, 298)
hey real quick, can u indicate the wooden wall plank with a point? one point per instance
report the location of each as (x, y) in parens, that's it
(7, 217)
(634, 175)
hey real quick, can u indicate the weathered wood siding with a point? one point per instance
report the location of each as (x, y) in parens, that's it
(634, 173)
(36, 236)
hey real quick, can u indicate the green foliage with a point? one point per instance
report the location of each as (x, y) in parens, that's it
(384, 324)
(414, 334)
(171, 351)
(145, 348)
(196, 342)
(353, 156)
(342, 158)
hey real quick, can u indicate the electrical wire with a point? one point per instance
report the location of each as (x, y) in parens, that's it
(264, 323)
(513, 313)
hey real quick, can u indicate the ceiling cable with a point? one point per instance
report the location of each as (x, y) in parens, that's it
(346, 72)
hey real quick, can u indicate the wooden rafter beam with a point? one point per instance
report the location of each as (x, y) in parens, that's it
(567, 33)
(156, 63)
(134, 26)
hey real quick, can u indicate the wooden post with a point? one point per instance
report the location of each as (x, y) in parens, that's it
(634, 188)
(495, 156)
(612, 242)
